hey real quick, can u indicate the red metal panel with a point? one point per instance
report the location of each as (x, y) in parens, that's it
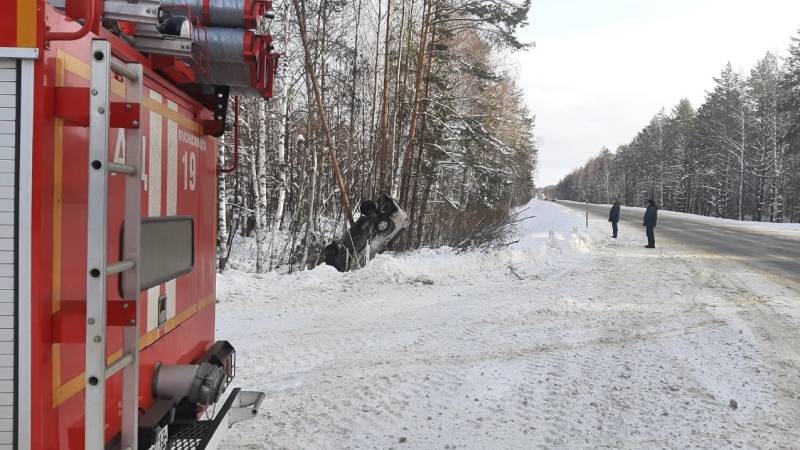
(72, 105)
(125, 114)
(8, 24)
(175, 68)
(64, 329)
(121, 313)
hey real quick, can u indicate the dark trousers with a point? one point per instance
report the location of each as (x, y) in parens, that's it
(615, 228)
(651, 236)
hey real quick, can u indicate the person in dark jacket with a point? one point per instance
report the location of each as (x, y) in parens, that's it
(613, 217)
(650, 219)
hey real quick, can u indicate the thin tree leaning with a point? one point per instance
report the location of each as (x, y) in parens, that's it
(301, 20)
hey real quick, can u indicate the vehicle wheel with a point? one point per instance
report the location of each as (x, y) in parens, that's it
(385, 226)
(368, 207)
(386, 207)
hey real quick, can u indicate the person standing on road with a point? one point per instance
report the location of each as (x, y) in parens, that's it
(650, 219)
(613, 217)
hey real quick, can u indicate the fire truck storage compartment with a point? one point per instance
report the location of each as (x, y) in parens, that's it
(9, 110)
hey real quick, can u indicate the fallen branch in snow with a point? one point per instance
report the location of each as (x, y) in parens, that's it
(514, 272)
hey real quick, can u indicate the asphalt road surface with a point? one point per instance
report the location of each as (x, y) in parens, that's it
(776, 253)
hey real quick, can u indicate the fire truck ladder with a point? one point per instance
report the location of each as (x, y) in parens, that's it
(100, 312)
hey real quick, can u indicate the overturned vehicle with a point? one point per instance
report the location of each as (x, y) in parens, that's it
(379, 223)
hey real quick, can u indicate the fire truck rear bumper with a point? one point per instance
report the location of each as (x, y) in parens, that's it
(208, 434)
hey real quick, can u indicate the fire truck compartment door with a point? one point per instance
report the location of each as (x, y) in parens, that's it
(167, 249)
(16, 172)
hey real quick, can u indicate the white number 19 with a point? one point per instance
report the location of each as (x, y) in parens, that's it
(189, 171)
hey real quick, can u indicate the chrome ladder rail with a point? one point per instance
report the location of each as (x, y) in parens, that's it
(98, 270)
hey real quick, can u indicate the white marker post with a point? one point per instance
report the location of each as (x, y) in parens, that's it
(587, 213)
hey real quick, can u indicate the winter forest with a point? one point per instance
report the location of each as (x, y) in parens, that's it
(737, 156)
(418, 104)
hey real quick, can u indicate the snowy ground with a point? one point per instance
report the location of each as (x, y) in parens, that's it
(572, 340)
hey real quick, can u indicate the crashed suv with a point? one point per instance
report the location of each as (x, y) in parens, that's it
(379, 223)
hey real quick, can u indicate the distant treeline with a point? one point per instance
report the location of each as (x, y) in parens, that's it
(737, 156)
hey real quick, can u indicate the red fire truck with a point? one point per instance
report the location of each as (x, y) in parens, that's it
(109, 111)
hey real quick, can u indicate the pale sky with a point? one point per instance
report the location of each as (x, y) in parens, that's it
(602, 69)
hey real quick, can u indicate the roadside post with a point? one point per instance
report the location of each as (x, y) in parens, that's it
(587, 213)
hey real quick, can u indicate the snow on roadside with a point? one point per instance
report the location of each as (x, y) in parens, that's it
(561, 340)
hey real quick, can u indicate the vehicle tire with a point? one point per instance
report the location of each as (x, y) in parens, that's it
(368, 207)
(384, 226)
(386, 207)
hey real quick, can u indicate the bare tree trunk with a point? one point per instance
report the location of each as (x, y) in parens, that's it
(421, 152)
(424, 204)
(301, 19)
(372, 137)
(741, 163)
(402, 78)
(261, 199)
(412, 127)
(283, 145)
(222, 211)
(256, 211)
(354, 82)
(776, 205)
(383, 152)
(312, 211)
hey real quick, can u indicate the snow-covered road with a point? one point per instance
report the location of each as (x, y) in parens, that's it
(772, 248)
(566, 341)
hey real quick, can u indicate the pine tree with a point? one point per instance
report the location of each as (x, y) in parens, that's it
(790, 85)
(677, 165)
(723, 120)
(765, 97)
